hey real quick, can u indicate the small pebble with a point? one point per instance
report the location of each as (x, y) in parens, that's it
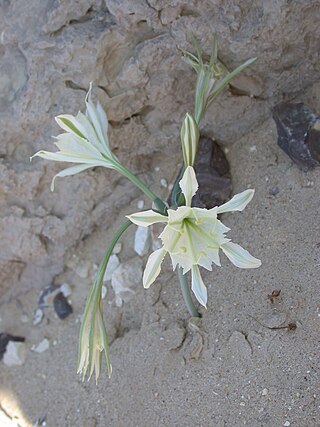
(142, 240)
(65, 288)
(42, 346)
(253, 148)
(157, 168)
(15, 354)
(273, 191)
(140, 204)
(117, 248)
(113, 264)
(264, 392)
(82, 270)
(47, 295)
(62, 306)
(24, 318)
(286, 424)
(103, 292)
(37, 316)
(163, 182)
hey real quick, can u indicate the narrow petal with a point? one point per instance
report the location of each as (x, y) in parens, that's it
(72, 144)
(69, 123)
(153, 267)
(198, 287)
(62, 157)
(237, 203)
(240, 257)
(147, 218)
(68, 172)
(189, 184)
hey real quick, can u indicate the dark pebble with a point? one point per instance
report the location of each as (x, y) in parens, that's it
(298, 133)
(273, 191)
(62, 306)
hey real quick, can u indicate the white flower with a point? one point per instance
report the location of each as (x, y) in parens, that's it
(193, 237)
(85, 141)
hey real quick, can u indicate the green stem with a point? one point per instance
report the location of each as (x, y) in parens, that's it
(159, 204)
(187, 294)
(105, 260)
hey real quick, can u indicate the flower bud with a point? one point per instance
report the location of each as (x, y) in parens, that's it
(189, 140)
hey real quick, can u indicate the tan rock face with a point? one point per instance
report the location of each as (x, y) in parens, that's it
(50, 51)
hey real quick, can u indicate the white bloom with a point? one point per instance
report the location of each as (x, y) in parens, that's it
(85, 141)
(193, 237)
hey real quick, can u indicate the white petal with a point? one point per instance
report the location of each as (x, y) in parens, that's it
(72, 144)
(237, 203)
(240, 257)
(69, 123)
(153, 267)
(198, 287)
(176, 216)
(189, 184)
(73, 158)
(69, 171)
(147, 218)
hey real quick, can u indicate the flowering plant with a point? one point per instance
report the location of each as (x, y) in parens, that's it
(192, 236)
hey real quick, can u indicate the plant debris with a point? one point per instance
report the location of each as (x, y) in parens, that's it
(275, 294)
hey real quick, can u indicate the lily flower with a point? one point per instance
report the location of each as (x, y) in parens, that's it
(193, 236)
(85, 141)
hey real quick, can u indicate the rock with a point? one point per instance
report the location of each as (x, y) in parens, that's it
(213, 175)
(47, 296)
(104, 291)
(82, 270)
(298, 133)
(163, 182)
(140, 204)
(42, 346)
(37, 316)
(125, 279)
(5, 339)
(65, 288)
(15, 354)
(273, 191)
(62, 306)
(113, 264)
(117, 248)
(142, 240)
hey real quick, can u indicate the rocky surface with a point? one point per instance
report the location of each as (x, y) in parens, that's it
(51, 50)
(167, 370)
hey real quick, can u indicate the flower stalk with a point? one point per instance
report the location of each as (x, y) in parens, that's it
(93, 335)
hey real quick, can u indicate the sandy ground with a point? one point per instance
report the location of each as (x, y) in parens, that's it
(229, 369)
